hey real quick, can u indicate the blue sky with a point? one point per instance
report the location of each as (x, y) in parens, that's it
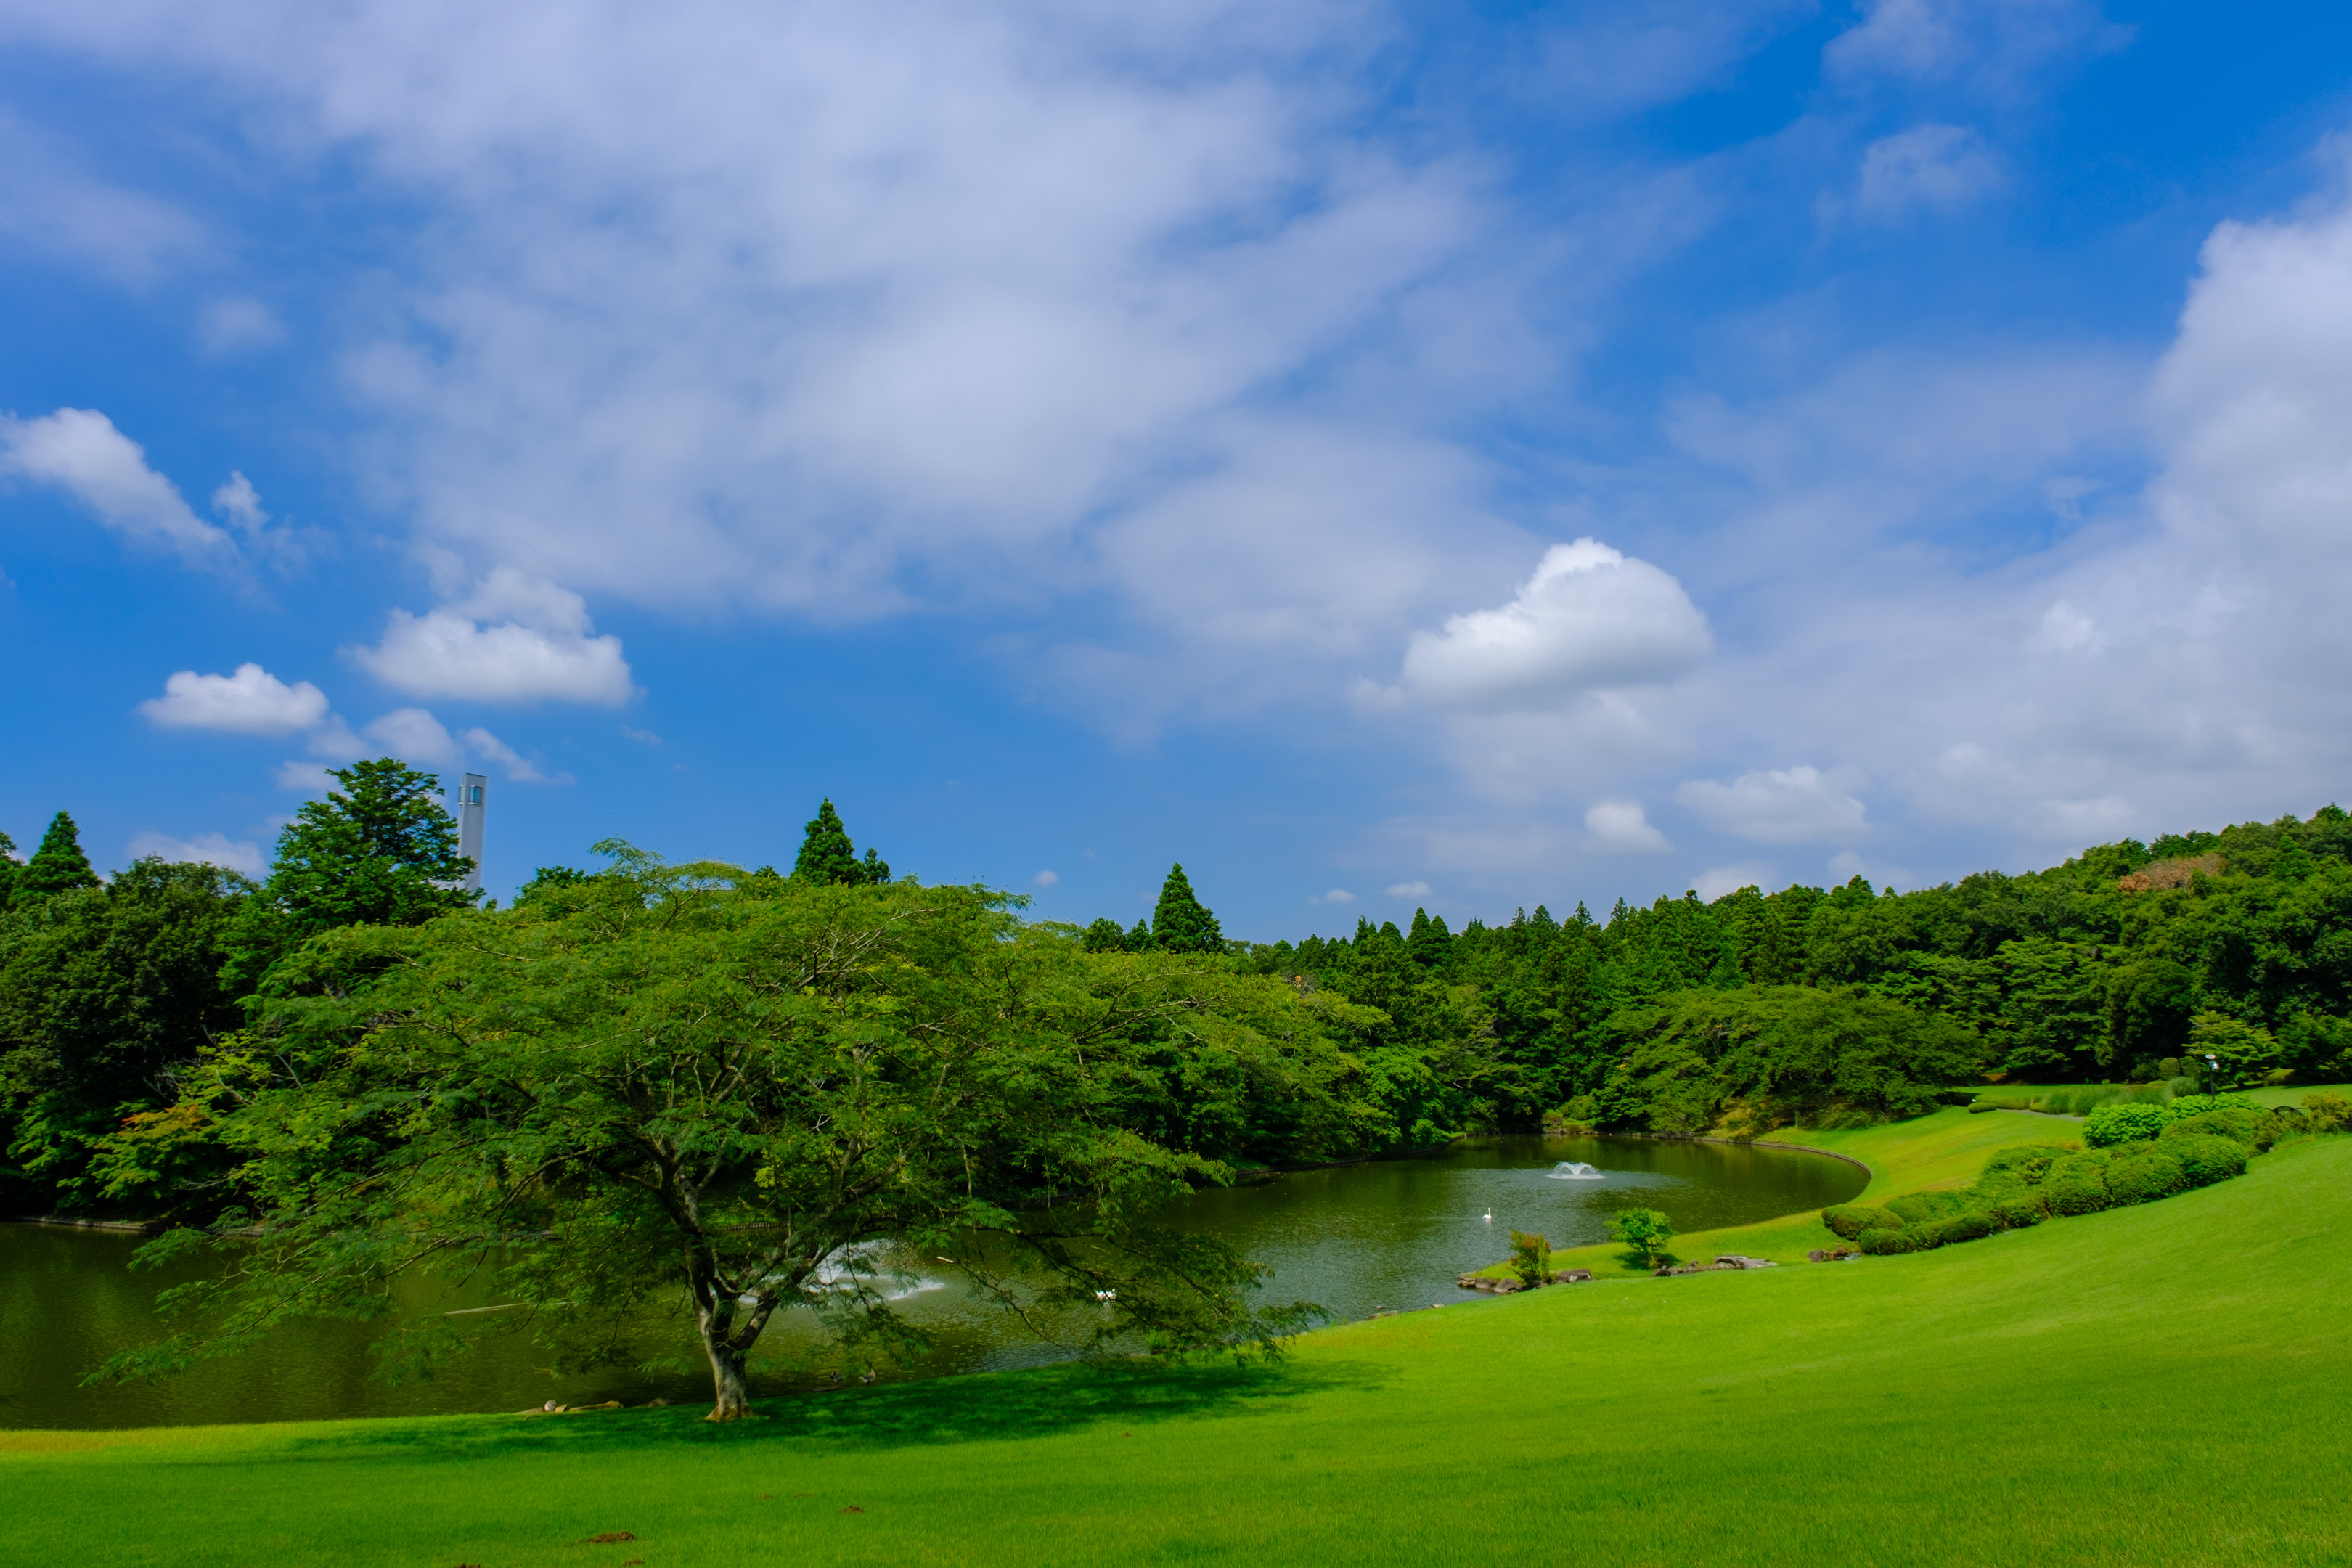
(1459, 456)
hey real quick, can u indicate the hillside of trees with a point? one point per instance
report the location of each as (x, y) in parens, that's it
(122, 999)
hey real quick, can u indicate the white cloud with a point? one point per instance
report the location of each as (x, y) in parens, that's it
(1623, 827)
(1589, 618)
(417, 738)
(240, 855)
(1935, 169)
(1985, 44)
(1409, 890)
(1716, 881)
(239, 502)
(1334, 896)
(642, 737)
(51, 204)
(250, 702)
(80, 451)
(1780, 805)
(309, 778)
(228, 326)
(538, 649)
(516, 767)
(1045, 879)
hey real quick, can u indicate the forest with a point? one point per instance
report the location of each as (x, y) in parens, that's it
(130, 1005)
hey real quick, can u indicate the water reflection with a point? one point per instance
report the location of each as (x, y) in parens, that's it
(1357, 1239)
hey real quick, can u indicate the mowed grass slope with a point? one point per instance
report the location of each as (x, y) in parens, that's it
(2161, 1385)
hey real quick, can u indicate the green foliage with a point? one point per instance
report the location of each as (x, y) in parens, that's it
(1645, 1231)
(2253, 1128)
(652, 1087)
(2205, 1158)
(2112, 1124)
(1967, 1225)
(9, 869)
(2144, 1176)
(1102, 935)
(1921, 1208)
(58, 866)
(105, 994)
(2244, 1050)
(827, 857)
(379, 850)
(2327, 1113)
(1180, 922)
(1883, 1243)
(2077, 1184)
(2017, 1212)
(1792, 1051)
(1850, 1220)
(1531, 1257)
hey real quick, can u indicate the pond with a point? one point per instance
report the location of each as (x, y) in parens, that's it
(1357, 1238)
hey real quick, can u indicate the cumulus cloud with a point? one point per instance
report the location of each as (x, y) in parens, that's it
(306, 778)
(1045, 879)
(250, 702)
(1623, 827)
(1332, 896)
(515, 766)
(239, 855)
(537, 649)
(1936, 169)
(80, 451)
(1779, 806)
(417, 738)
(1590, 618)
(1409, 890)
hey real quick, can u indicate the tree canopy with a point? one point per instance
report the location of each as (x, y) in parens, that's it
(1180, 922)
(58, 866)
(379, 850)
(827, 856)
(650, 1085)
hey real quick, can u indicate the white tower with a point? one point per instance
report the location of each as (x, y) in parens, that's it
(469, 828)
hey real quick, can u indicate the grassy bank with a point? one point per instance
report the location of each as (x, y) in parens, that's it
(2158, 1384)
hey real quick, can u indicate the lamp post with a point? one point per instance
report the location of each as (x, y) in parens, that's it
(2212, 1074)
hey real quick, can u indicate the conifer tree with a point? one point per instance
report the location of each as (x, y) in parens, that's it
(8, 868)
(58, 866)
(1103, 936)
(827, 856)
(1139, 936)
(1180, 922)
(1429, 942)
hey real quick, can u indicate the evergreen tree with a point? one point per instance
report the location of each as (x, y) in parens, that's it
(8, 868)
(379, 851)
(1180, 922)
(827, 856)
(1103, 936)
(1429, 942)
(1139, 936)
(58, 866)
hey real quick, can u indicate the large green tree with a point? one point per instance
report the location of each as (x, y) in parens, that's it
(58, 866)
(105, 992)
(1180, 922)
(9, 868)
(654, 1088)
(827, 856)
(379, 850)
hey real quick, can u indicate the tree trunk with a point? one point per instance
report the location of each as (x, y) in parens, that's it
(733, 1393)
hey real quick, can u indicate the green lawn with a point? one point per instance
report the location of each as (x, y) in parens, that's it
(2153, 1385)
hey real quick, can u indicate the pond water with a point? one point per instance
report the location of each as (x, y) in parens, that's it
(1357, 1239)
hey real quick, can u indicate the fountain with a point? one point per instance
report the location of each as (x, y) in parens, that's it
(1575, 1171)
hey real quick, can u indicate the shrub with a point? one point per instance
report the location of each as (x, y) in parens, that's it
(1958, 1227)
(2017, 1212)
(2076, 1185)
(2029, 1162)
(2144, 1178)
(1879, 1243)
(1917, 1208)
(1850, 1220)
(2205, 1159)
(1531, 1257)
(2112, 1124)
(2327, 1113)
(2254, 1129)
(1645, 1231)
(2189, 1105)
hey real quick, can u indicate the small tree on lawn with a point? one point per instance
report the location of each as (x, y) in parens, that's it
(1531, 1257)
(1645, 1231)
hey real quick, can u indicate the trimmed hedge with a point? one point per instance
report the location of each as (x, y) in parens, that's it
(2018, 1212)
(1969, 1227)
(2253, 1128)
(2204, 1157)
(1880, 1243)
(2113, 1124)
(1919, 1208)
(2144, 1178)
(2031, 1161)
(1850, 1220)
(2077, 1184)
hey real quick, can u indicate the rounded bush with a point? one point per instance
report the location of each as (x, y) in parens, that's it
(2112, 1124)
(1879, 1243)
(2018, 1213)
(2077, 1184)
(1850, 1220)
(1919, 1208)
(2251, 1128)
(2203, 1158)
(2031, 1161)
(1970, 1227)
(2144, 1178)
